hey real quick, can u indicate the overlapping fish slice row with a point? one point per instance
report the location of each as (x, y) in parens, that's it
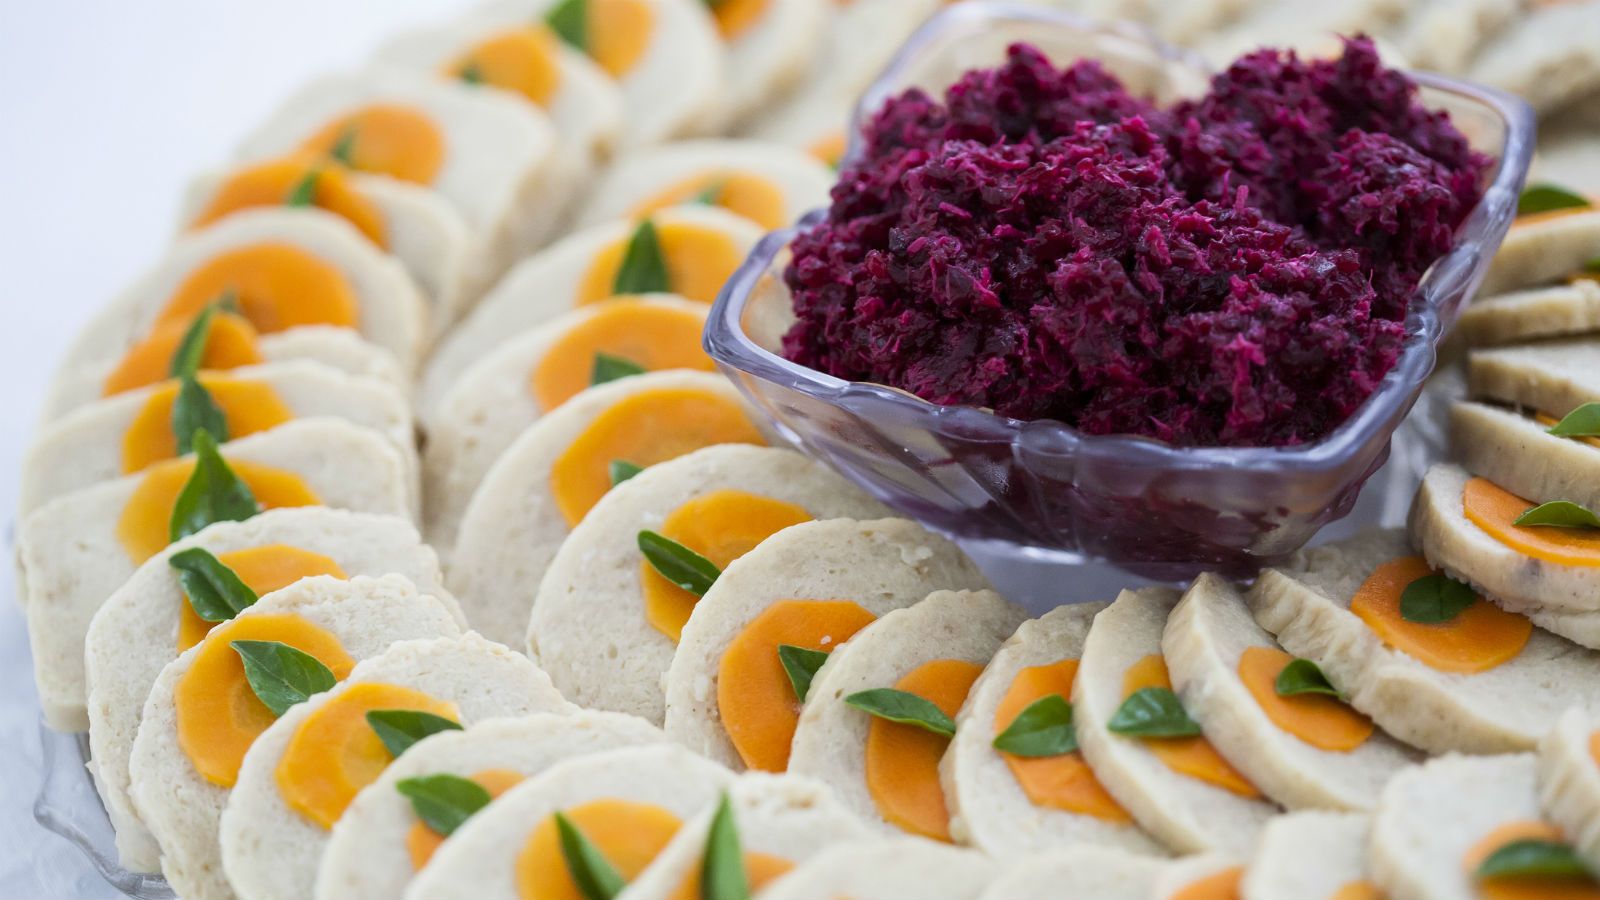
(288, 694)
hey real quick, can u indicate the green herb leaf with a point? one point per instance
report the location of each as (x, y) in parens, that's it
(1550, 859)
(644, 267)
(1591, 267)
(280, 675)
(710, 194)
(1559, 514)
(400, 728)
(621, 470)
(1434, 599)
(212, 493)
(192, 347)
(801, 665)
(471, 73)
(722, 875)
(216, 593)
(304, 192)
(1302, 676)
(594, 875)
(443, 801)
(610, 368)
(903, 707)
(193, 410)
(1153, 712)
(1538, 198)
(569, 19)
(1044, 728)
(1581, 422)
(344, 149)
(678, 564)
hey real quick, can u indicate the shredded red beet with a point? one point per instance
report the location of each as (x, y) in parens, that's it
(1232, 271)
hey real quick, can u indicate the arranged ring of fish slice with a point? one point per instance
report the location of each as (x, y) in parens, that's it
(1557, 311)
(1224, 667)
(781, 821)
(1312, 853)
(505, 845)
(592, 627)
(1542, 251)
(1186, 813)
(98, 442)
(426, 234)
(389, 309)
(181, 807)
(1568, 774)
(271, 849)
(138, 630)
(1519, 454)
(1552, 378)
(497, 163)
(831, 741)
(1306, 604)
(370, 849)
(497, 398)
(771, 184)
(515, 522)
(1557, 597)
(989, 807)
(877, 566)
(556, 280)
(73, 551)
(1432, 819)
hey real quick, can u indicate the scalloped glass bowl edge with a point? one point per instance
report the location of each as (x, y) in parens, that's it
(1162, 511)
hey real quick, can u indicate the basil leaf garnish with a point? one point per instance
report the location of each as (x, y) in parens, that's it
(1043, 728)
(594, 875)
(1434, 599)
(344, 149)
(710, 194)
(621, 470)
(281, 675)
(569, 19)
(1538, 198)
(1550, 859)
(400, 728)
(212, 493)
(304, 192)
(1559, 514)
(722, 875)
(903, 707)
(644, 266)
(471, 73)
(443, 801)
(193, 410)
(1153, 712)
(610, 368)
(1581, 422)
(678, 564)
(216, 593)
(1591, 267)
(191, 351)
(1302, 676)
(801, 665)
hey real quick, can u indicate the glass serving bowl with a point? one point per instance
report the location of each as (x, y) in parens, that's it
(1040, 488)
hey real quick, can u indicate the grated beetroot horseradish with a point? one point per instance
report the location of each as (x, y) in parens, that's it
(1233, 270)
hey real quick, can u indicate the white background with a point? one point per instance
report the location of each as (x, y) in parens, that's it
(106, 108)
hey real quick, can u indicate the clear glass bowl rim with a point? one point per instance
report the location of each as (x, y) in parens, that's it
(727, 341)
